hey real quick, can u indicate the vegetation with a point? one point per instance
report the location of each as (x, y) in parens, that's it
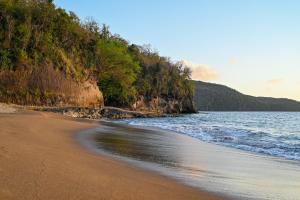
(215, 97)
(35, 32)
(158, 76)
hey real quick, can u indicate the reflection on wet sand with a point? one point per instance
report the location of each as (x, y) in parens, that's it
(140, 144)
(145, 145)
(203, 165)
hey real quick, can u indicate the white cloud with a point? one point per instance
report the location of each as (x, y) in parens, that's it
(273, 85)
(275, 82)
(233, 61)
(200, 71)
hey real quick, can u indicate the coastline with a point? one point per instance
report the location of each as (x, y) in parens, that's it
(231, 173)
(39, 159)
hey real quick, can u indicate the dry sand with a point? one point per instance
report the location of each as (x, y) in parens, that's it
(39, 159)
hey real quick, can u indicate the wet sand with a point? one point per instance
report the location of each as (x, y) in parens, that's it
(231, 173)
(40, 159)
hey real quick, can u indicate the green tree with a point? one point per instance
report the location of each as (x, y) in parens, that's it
(117, 72)
(35, 32)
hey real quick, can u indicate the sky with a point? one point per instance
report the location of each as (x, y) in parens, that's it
(250, 45)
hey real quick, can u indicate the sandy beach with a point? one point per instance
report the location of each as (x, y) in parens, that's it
(40, 159)
(229, 172)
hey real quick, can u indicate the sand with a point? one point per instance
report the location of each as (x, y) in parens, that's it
(40, 159)
(233, 173)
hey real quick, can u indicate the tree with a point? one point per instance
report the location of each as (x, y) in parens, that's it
(35, 32)
(117, 72)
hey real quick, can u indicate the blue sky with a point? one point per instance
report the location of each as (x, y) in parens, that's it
(252, 46)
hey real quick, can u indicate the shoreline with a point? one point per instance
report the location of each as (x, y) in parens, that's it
(86, 139)
(39, 159)
(263, 155)
(227, 172)
(105, 112)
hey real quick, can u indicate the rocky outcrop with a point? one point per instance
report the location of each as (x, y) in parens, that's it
(76, 112)
(164, 105)
(46, 86)
(118, 113)
(99, 113)
(6, 109)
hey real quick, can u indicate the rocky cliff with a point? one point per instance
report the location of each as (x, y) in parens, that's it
(46, 86)
(164, 105)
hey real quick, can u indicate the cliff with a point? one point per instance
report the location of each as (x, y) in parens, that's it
(48, 56)
(45, 86)
(164, 105)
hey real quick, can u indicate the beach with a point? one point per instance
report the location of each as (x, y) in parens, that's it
(41, 159)
(229, 172)
(149, 100)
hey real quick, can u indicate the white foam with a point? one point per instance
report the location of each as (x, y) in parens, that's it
(275, 134)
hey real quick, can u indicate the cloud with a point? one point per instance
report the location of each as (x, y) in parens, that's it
(233, 61)
(200, 71)
(275, 82)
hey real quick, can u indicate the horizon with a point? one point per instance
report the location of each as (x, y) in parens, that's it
(249, 46)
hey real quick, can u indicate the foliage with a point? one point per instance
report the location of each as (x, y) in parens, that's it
(215, 97)
(117, 72)
(35, 31)
(160, 77)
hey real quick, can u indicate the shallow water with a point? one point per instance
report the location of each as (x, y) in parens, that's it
(232, 173)
(269, 133)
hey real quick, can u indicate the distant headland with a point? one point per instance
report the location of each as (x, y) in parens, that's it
(215, 97)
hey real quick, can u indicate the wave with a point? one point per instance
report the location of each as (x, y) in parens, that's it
(262, 133)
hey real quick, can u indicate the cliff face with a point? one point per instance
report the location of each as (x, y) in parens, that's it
(164, 105)
(49, 87)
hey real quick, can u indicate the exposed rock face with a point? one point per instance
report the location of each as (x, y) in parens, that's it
(46, 86)
(163, 105)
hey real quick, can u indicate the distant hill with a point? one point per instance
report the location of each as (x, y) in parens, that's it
(215, 97)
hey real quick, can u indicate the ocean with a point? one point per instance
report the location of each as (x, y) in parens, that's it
(239, 155)
(269, 133)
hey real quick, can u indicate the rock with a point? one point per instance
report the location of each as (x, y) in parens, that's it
(5, 109)
(118, 113)
(46, 86)
(164, 105)
(98, 113)
(76, 112)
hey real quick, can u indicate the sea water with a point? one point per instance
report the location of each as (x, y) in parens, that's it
(241, 155)
(270, 133)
